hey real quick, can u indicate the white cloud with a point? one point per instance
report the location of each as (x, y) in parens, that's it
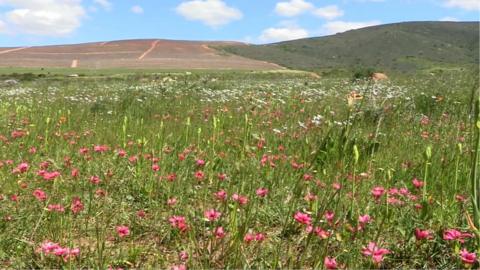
(293, 8)
(3, 27)
(43, 17)
(449, 19)
(105, 4)
(463, 4)
(283, 33)
(342, 26)
(137, 9)
(213, 13)
(328, 12)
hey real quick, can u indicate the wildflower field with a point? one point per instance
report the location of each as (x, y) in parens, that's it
(239, 170)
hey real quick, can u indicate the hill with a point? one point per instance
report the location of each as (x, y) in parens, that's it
(149, 53)
(399, 46)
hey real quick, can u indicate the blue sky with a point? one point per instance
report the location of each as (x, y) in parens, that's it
(42, 22)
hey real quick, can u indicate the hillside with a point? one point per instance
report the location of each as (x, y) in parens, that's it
(149, 53)
(400, 46)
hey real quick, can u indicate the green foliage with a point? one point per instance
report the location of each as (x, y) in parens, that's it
(395, 47)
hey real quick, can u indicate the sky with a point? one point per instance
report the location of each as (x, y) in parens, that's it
(48, 22)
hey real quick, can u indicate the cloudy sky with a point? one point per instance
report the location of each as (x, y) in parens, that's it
(41, 22)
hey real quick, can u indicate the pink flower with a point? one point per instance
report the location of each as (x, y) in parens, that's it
(183, 255)
(179, 267)
(260, 237)
(95, 180)
(310, 197)
(303, 218)
(212, 214)
(172, 177)
(467, 257)
(417, 183)
(422, 234)
(21, 168)
(133, 159)
(329, 215)
(221, 176)
(372, 250)
(200, 162)
(365, 219)
(40, 194)
(221, 195)
(50, 175)
(172, 202)
(321, 233)
(44, 165)
(249, 237)
(48, 247)
(200, 175)
(155, 167)
(60, 251)
(262, 192)
(75, 172)
(452, 234)
(307, 177)
(337, 186)
(330, 263)
(404, 191)
(141, 214)
(378, 192)
(76, 206)
(121, 153)
(393, 191)
(219, 232)
(100, 148)
(83, 151)
(123, 231)
(56, 208)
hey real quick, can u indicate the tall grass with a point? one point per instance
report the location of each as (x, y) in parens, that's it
(228, 170)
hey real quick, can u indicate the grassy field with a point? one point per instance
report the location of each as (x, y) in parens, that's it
(239, 170)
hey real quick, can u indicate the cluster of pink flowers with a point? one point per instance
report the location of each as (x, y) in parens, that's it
(101, 148)
(56, 208)
(51, 248)
(76, 206)
(399, 196)
(46, 175)
(258, 237)
(240, 199)
(178, 222)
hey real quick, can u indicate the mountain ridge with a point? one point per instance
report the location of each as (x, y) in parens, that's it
(396, 46)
